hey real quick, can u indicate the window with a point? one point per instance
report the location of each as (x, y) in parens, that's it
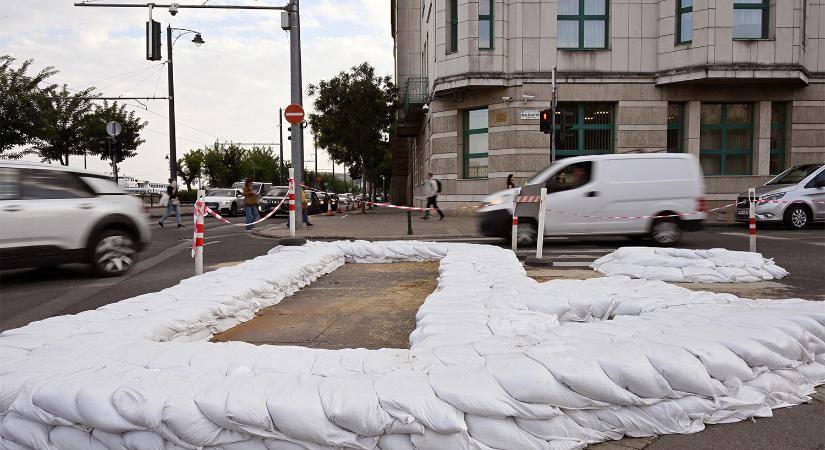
(684, 21)
(38, 184)
(9, 184)
(591, 132)
(726, 139)
(816, 180)
(452, 26)
(675, 127)
(476, 143)
(777, 161)
(485, 24)
(571, 177)
(750, 19)
(582, 24)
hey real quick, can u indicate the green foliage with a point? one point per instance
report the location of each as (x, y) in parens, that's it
(21, 102)
(223, 164)
(190, 167)
(354, 112)
(66, 127)
(131, 127)
(262, 164)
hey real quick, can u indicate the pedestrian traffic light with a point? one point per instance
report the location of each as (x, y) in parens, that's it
(117, 152)
(153, 40)
(568, 121)
(546, 121)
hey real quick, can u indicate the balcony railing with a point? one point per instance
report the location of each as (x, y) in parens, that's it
(415, 92)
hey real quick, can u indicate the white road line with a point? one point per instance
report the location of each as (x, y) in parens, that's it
(208, 243)
(570, 264)
(776, 238)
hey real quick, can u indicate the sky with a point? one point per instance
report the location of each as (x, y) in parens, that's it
(228, 89)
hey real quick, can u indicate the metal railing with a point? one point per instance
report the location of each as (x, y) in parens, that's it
(415, 92)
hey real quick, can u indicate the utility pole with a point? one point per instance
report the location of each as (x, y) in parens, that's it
(297, 99)
(553, 120)
(173, 151)
(281, 145)
(315, 145)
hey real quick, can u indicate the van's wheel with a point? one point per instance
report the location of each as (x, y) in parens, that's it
(113, 253)
(666, 232)
(233, 209)
(797, 217)
(526, 234)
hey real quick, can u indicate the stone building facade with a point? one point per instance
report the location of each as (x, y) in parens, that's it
(738, 83)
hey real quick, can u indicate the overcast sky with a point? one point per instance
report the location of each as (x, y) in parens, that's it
(229, 89)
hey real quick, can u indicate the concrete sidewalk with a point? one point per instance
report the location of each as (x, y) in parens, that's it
(378, 224)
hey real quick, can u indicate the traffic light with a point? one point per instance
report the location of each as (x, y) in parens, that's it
(568, 121)
(545, 121)
(289, 130)
(117, 152)
(153, 40)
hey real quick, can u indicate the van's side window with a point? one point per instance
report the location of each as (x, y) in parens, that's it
(571, 177)
(817, 179)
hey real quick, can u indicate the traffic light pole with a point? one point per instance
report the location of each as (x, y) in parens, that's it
(297, 99)
(553, 120)
(173, 151)
(281, 145)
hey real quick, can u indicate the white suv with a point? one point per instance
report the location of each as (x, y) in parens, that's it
(53, 215)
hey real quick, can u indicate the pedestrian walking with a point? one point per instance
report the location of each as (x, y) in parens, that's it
(172, 203)
(432, 188)
(510, 183)
(250, 204)
(304, 212)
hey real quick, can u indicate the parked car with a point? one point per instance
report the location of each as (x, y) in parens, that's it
(273, 198)
(315, 203)
(334, 200)
(225, 200)
(54, 215)
(347, 199)
(583, 189)
(257, 187)
(795, 197)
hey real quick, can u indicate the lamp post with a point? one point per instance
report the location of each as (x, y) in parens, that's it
(197, 40)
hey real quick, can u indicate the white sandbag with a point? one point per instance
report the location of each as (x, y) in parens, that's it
(352, 404)
(408, 397)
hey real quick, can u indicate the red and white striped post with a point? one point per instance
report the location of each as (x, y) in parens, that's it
(200, 210)
(752, 218)
(540, 231)
(291, 202)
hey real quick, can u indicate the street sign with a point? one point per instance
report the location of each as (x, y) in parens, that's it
(294, 114)
(113, 128)
(529, 114)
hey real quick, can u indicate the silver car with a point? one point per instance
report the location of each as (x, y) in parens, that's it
(795, 197)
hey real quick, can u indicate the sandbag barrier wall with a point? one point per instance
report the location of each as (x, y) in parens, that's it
(497, 360)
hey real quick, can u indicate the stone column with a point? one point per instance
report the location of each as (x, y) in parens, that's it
(762, 138)
(693, 119)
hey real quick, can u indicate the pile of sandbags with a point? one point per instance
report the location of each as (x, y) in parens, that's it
(497, 360)
(679, 265)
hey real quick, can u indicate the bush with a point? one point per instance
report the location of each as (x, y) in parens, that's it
(187, 196)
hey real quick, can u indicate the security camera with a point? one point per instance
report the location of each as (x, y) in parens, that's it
(425, 107)
(173, 9)
(526, 97)
(507, 98)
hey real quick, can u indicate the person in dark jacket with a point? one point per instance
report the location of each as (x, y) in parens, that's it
(251, 201)
(172, 203)
(510, 183)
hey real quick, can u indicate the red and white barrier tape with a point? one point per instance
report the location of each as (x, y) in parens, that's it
(405, 208)
(270, 214)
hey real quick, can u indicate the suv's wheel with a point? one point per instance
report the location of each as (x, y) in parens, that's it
(797, 217)
(233, 210)
(526, 234)
(666, 232)
(113, 253)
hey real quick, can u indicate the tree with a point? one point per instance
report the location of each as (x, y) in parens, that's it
(66, 126)
(354, 112)
(190, 167)
(129, 137)
(261, 164)
(223, 165)
(21, 101)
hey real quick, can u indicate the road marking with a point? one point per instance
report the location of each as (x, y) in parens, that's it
(776, 238)
(213, 242)
(571, 264)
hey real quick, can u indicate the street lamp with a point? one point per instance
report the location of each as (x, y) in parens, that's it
(198, 41)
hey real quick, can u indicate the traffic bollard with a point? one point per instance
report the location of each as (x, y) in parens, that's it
(514, 237)
(199, 228)
(540, 231)
(752, 218)
(409, 223)
(291, 202)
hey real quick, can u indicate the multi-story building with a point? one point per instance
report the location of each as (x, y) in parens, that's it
(738, 83)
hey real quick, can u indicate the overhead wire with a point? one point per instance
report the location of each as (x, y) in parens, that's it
(140, 69)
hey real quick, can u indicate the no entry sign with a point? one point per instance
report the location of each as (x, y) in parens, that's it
(294, 114)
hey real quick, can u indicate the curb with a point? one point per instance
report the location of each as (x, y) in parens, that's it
(372, 238)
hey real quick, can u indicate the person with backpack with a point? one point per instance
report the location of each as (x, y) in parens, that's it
(432, 188)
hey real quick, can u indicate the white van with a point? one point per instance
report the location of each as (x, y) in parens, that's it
(584, 191)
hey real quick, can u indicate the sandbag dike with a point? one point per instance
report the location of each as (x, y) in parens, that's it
(497, 360)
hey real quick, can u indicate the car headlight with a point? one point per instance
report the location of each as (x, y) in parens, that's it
(498, 200)
(772, 197)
